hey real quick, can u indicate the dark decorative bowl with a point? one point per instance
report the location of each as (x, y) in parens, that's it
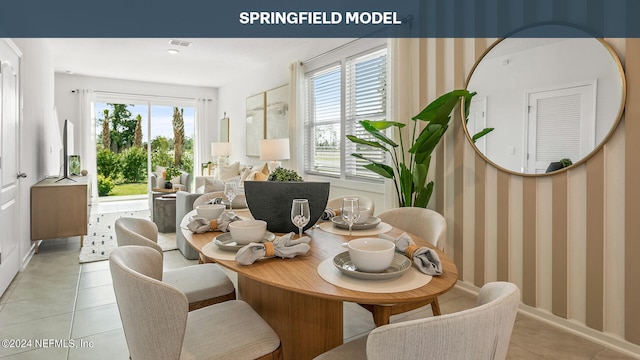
(271, 201)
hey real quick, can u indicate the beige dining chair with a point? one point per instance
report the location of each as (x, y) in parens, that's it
(158, 325)
(204, 284)
(363, 201)
(426, 224)
(482, 332)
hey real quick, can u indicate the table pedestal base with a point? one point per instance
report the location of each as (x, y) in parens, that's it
(305, 324)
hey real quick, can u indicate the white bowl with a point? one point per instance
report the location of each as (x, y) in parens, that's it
(247, 231)
(371, 254)
(365, 213)
(209, 211)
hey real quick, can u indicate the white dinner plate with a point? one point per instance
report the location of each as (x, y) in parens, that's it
(225, 242)
(399, 265)
(339, 222)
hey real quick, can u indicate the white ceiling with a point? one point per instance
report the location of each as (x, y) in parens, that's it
(207, 62)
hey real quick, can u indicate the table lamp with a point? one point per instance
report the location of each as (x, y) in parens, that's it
(220, 150)
(274, 150)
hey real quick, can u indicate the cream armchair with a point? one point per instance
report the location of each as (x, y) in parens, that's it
(203, 285)
(482, 332)
(157, 324)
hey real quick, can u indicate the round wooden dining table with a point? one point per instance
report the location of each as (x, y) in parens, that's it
(305, 310)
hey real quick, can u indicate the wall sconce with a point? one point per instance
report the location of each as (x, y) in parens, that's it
(273, 150)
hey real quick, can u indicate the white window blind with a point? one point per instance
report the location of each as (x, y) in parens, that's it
(338, 97)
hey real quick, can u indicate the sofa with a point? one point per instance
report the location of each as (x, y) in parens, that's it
(157, 179)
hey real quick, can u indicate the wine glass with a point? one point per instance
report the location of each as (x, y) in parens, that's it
(350, 211)
(300, 215)
(230, 191)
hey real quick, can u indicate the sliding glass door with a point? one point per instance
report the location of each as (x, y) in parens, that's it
(143, 145)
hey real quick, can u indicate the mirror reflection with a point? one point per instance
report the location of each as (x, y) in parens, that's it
(552, 101)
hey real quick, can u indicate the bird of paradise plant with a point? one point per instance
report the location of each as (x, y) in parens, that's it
(410, 174)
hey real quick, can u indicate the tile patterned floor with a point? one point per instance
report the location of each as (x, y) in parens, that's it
(57, 298)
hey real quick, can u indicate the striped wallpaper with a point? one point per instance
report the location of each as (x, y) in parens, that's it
(570, 241)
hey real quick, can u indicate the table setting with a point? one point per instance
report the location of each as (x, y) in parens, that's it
(307, 273)
(352, 217)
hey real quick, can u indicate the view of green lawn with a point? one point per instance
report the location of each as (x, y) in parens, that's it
(129, 189)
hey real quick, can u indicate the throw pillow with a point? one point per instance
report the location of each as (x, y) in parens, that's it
(256, 176)
(263, 168)
(160, 174)
(229, 171)
(211, 185)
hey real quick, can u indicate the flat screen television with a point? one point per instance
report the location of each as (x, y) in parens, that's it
(67, 144)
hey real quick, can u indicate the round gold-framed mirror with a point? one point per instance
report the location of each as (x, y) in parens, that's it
(553, 102)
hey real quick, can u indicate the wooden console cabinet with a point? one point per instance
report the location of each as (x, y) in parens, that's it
(60, 209)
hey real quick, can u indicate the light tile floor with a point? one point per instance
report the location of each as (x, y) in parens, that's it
(57, 298)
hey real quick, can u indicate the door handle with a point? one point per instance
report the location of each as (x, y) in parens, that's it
(21, 175)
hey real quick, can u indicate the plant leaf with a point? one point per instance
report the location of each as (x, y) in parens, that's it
(383, 124)
(377, 134)
(422, 200)
(439, 110)
(375, 144)
(480, 134)
(381, 169)
(406, 185)
(467, 105)
(419, 176)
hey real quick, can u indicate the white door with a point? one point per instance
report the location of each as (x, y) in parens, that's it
(561, 125)
(9, 160)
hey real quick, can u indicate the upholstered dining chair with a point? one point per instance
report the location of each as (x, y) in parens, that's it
(363, 201)
(204, 284)
(482, 332)
(158, 325)
(426, 224)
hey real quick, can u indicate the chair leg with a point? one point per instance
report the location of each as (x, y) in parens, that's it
(435, 307)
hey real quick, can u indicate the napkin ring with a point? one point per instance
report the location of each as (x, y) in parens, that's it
(410, 250)
(269, 249)
(213, 224)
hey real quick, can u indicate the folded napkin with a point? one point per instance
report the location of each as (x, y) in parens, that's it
(328, 213)
(283, 246)
(427, 260)
(217, 200)
(201, 225)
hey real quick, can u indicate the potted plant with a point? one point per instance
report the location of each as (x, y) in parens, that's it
(170, 173)
(409, 170)
(271, 200)
(282, 174)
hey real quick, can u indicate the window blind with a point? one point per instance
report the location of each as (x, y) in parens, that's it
(337, 98)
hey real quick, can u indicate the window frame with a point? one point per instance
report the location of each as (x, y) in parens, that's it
(345, 56)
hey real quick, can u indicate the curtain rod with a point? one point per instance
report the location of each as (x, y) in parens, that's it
(142, 95)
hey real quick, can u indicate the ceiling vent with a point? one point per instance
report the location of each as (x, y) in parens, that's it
(180, 42)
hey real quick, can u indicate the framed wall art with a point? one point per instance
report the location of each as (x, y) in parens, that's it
(255, 123)
(277, 113)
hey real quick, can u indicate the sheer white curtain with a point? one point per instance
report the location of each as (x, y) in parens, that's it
(203, 127)
(87, 124)
(296, 114)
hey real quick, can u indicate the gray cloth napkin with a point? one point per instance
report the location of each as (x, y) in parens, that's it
(285, 247)
(329, 213)
(217, 200)
(201, 225)
(427, 260)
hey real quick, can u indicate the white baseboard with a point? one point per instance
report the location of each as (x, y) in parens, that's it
(609, 340)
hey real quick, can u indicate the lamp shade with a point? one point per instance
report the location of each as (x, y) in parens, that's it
(274, 149)
(220, 149)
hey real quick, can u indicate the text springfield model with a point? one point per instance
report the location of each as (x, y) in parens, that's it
(318, 18)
